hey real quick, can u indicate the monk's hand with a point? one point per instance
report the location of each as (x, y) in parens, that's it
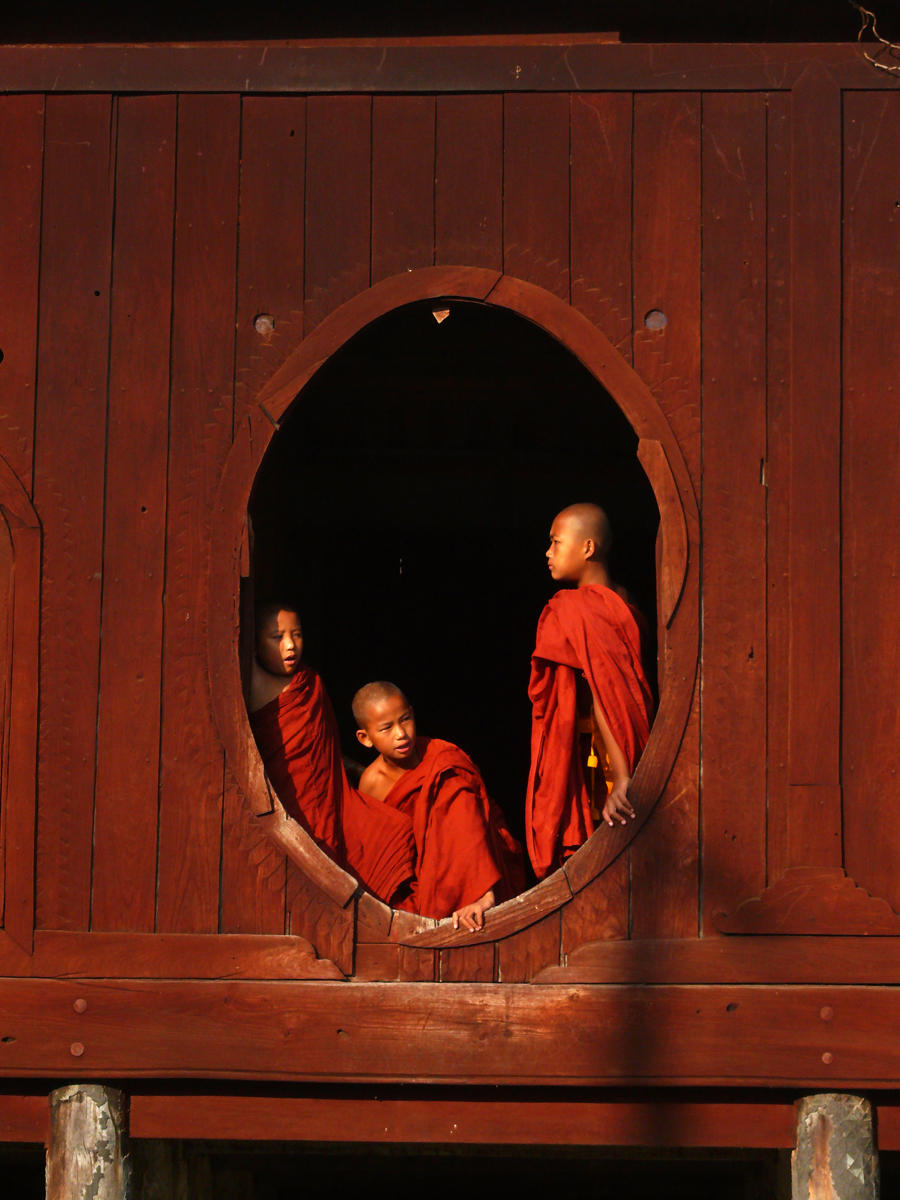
(618, 806)
(471, 916)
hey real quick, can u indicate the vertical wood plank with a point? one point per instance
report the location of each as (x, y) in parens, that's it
(601, 213)
(338, 197)
(191, 780)
(313, 916)
(253, 872)
(21, 167)
(270, 275)
(601, 288)
(127, 787)
(733, 670)
(69, 465)
(468, 964)
(666, 229)
(536, 190)
(599, 911)
(416, 966)
(520, 957)
(468, 199)
(814, 827)
(402, 184)
(871, 492)
(270, 253)
(778, 473)
(22, 561)
(7, 597)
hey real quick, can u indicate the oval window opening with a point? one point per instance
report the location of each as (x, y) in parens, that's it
(404, 506)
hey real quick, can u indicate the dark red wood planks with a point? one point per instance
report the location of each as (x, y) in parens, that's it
(127, 783)
(814, 817)
(21, 168)
(734, 499)
(191, 780)
(70, 453)
(666, 249)
(402, 184)
(468, 198)
(870, 496)
(601, 213)
(270, 247)
(536, 190)
(338, 199)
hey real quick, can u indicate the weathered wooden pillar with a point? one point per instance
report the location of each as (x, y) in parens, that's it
(836, 1156)
(87, 1155)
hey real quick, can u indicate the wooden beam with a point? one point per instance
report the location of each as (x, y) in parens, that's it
(468, 1117)
(433, 65)
(810, 1037)
(745, 959)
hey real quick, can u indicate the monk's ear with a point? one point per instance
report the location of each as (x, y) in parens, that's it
(363, 737)
(590, 548)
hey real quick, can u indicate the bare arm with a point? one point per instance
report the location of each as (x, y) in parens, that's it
(472, 915)
(617, 806)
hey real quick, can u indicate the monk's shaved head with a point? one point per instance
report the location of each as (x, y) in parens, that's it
(271, 608)
(589, 521)
(373, 693)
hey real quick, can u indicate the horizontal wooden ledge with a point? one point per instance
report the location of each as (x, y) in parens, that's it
(714, 960)
(60, 954)
(447, 65)
(740, 959)
(468, 1119)
(437, 1116)
(822, 1037)
(441, 1116)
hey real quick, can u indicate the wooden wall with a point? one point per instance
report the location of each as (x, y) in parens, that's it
(143, 233)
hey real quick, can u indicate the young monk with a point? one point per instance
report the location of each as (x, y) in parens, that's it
(590, 633)
(466, 858)
(295, 730)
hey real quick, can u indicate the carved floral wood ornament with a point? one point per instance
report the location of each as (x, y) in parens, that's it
(278, 378)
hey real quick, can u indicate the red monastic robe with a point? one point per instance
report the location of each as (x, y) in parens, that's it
(591, 632)
(298, 740)
(462, 844)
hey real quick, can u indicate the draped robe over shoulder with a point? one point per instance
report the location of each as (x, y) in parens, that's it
(463, 846)
(297, 738)
(592, 632)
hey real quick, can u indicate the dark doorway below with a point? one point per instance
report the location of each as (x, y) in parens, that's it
(404, 506)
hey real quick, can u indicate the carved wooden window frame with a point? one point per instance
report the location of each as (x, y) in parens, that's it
(21, 531)
(677, 585)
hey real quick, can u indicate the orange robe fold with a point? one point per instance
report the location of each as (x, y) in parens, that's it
(591, 632)
(463, 847)
(297, 738)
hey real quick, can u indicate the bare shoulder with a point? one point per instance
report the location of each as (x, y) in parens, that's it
(374, 780)
(264, 687)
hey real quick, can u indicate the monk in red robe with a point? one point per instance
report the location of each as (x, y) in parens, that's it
(466, 858)
(586, 662)
(296, 732)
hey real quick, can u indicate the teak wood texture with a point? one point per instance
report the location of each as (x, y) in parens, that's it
(713, 233)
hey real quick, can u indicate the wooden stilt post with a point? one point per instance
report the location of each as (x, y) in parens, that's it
(836, 1156)
(87, 1155)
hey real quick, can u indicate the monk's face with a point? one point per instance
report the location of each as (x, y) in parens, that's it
(279, 643)
(569, 550)
(390, 729)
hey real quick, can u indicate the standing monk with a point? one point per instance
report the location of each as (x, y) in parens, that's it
(586, 664)
(293, 722)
